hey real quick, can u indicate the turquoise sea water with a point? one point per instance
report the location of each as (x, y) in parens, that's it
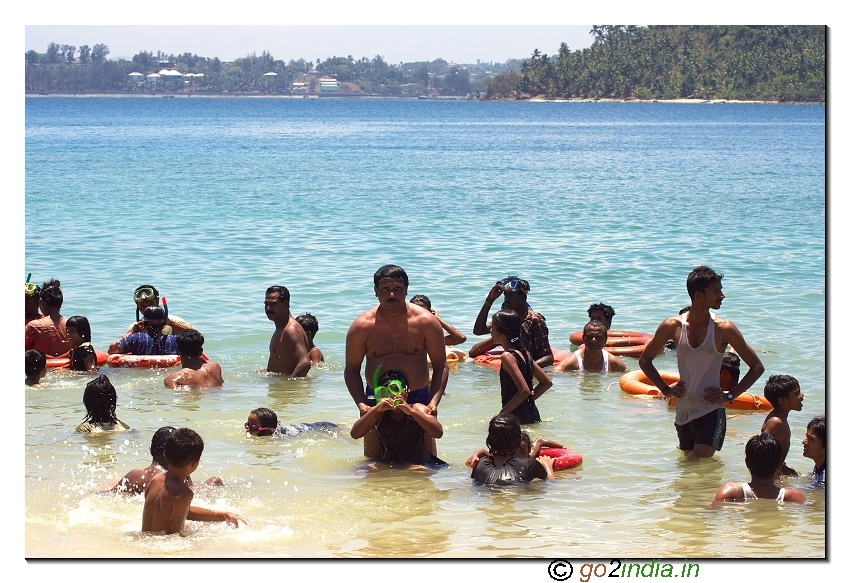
(213, 200)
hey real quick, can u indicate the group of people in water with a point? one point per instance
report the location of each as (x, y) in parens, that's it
(403, 345)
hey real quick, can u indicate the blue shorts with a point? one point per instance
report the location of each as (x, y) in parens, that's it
(422, 396)
(710, 429)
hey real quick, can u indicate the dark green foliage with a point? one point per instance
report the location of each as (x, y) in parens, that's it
(784, 63)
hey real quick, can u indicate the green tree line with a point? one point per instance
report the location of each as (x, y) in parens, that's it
(784, 63)
(66, 68)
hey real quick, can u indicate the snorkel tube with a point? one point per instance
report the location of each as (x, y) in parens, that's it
(165, 307)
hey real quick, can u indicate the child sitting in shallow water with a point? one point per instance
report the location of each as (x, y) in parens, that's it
(501, 464)
(100, 400)
(526, 449)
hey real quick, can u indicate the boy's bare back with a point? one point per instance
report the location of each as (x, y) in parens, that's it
(167, 501)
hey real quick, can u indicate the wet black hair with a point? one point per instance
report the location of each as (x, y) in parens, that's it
(279, 289)
(80, 356)
(818, 427)
(685, 309)
(595, 324)
(504, 436)
(190, 342)
(391, 272)
(155, 313)
(779, 386)
(183, 447)
(509, 323)
(309, 322)
(700, 278)
(158, 440)
(35, 362)
(393, 375)
(266, 417)
(732, 363)
(524, 286)
(100, 400)
(51, 293)
(81, 325)
(421, 299)
(606, 309)
(763, 455)
(526, 439)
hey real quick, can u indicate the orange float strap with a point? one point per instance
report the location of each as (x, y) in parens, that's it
(493, 358)
(65, 361)
(637, 383)
(564, 458)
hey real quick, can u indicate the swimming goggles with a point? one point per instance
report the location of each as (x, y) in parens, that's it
(393, 390)
(511, 284)
(31, 289)
(145, 293)
(252, 427)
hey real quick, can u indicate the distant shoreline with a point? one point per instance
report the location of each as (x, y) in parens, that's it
(220, 95)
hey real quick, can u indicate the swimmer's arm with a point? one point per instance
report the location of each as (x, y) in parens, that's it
(116, 347)
(544, 381)
(569, 363)
(454, 336)
(616, 364)
(370, 418)
(180, 507)
(548, 465)
(540, 443)
(435, 346)
(666, 330)
(735, 339)
(207, 515)
(425, 419)
(481, 327)
(355, 353)
(473, 459)
(509, 364)
(728, 492)
(482, 347)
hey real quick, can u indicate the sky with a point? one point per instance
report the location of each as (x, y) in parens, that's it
(395, 43)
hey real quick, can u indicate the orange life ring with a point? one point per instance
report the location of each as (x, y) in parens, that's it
(637, 383)
(455, 355)
(143, 360)
(564, 458)
(493, 358)
(616, 338)
(633, 351)
(65, 361)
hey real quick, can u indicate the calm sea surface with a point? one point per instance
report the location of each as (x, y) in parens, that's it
(213, 200)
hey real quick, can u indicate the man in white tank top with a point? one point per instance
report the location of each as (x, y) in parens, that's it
(591, 356)
(703, 338)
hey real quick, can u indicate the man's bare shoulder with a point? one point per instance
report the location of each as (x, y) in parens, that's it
(364, 321)
(776, 426)
(569, 363)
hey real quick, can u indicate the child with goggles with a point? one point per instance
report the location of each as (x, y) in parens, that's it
(147, 296)
(400, 426)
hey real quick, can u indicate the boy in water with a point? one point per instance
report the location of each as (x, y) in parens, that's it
(36, 367)
(763, 457)
(784, 394)
(814, 447)
(262, 422)
(135, 481)
(526, 449)
(311, 326)
(168, 496)
(195, 372)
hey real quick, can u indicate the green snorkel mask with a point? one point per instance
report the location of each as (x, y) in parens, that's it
(392, 389)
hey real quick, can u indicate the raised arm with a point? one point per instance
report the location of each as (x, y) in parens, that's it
(424, 418)
(454, 335)
(481, 327)
(370, 418)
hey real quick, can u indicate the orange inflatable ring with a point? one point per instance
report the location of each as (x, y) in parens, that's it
(633, 351)
(65, 362)
(146, 361)
(637, 383)
(493, 358)
(564, 458)
(616, 338)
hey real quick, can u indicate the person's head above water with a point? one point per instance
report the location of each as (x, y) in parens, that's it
(158, 440)
(100, 400)
(763, 456)
(51, 294)
(154, 319)
(261, 422)
(78, 330)
(700, 279)
(145, 296)
(595, 335)
(508, 324)
(36, 362)
(391, 287)
(422, 301)
(504, 436)
(190, 343)
(309, 322)
(516, 292)
(391, 272)
(602, 312)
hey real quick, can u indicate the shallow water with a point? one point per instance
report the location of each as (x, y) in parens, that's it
(212, 201)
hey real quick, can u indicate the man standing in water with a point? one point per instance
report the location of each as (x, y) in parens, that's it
(288, 347)
(703, 338)
(395, 335)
